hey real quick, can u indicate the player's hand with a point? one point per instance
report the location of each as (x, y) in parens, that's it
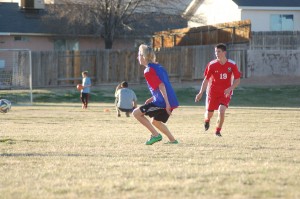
(168, 109)
(198, 97)
(227, 92)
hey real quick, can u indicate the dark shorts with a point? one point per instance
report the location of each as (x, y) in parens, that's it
(158, 113)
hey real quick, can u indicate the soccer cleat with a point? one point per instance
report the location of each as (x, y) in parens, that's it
(206, 126)
(153, 139)
(218, 133)
(174, 142)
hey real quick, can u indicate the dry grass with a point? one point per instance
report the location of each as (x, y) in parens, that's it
(64, 152)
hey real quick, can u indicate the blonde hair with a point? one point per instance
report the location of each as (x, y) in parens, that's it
(148, 53)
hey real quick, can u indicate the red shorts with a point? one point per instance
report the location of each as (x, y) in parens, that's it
(213, 102)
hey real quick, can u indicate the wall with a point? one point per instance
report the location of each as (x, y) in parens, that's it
(33, 43)
(275, 40)
(261, 18)
(216, 11)
(262, 63)
(44, 43)
(220, 11)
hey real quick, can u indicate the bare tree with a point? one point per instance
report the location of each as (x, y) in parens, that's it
(106, 18)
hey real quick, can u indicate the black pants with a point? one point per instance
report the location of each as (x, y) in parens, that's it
(84, 97)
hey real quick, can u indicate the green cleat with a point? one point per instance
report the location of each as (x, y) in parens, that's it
(152, 139)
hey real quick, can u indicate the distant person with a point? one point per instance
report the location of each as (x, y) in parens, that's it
(163, 101)
(221, 77)
(85, 91)
(126, 99)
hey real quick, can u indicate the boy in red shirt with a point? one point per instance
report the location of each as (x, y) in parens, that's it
(221, 77)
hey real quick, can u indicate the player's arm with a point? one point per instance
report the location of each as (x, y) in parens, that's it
(117, 88)
(202, 90)
(235, 83)
(134, 101)
(134, 104)
(204, 83)
(163, 91)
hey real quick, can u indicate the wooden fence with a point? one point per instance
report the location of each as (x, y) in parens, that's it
(53, 69)
(232, 32)
(65, 67)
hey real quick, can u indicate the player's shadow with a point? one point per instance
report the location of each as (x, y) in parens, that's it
(13, 141)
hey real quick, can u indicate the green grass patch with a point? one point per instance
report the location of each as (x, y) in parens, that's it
(283, 96)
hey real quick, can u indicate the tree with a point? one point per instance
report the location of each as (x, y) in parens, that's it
(106, 18)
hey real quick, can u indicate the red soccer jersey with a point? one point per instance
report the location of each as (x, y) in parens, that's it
(221, 76)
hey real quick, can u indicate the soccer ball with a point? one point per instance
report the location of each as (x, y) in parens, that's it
(79, 87)
(5, 105)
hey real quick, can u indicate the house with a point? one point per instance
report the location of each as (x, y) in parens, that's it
(265, 15)
(25, 29)
(71, 47)
(24, 25)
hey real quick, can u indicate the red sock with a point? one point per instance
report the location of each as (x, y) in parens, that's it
(218, 129)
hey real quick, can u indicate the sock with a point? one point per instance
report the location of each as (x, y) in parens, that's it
(218, 129)
(206, 120)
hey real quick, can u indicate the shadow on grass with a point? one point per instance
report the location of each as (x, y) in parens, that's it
(44, 155)
(14, 141)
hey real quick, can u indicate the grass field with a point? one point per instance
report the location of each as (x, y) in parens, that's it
(268, 96)
(61, 151)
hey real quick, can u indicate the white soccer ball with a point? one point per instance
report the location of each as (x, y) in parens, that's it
(5, 105)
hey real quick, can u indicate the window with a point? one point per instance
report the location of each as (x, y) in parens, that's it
(63, 44)
(282, 22)
(21, 38)
(2, 63)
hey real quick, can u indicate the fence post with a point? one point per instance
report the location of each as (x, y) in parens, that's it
(106, 61)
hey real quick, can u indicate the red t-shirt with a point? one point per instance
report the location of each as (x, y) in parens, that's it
(221, 76)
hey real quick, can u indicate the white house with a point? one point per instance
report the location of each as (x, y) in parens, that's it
(265, 15)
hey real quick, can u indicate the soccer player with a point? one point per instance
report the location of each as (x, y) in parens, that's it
(126, 99)
(85, 92)
(163, 100)
(221, 77)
